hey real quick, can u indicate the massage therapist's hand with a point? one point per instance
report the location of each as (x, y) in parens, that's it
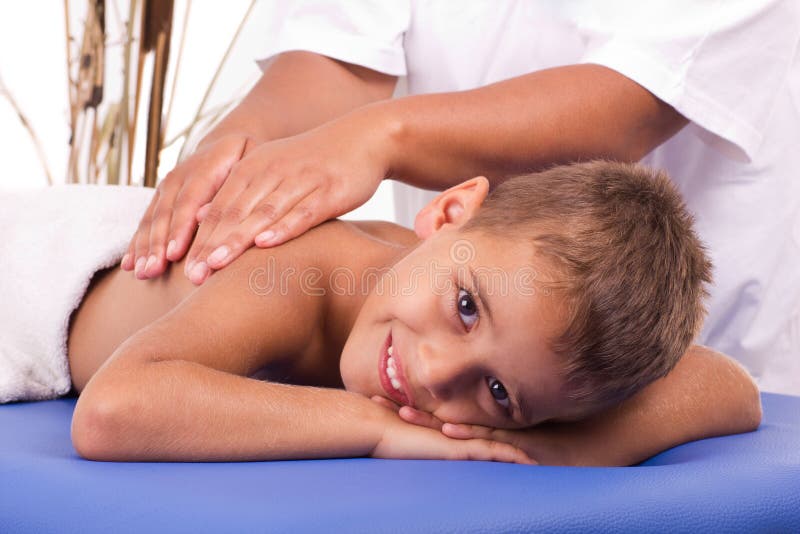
(284, 187)
(166, 229)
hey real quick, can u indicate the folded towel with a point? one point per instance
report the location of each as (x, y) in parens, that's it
(52, 241)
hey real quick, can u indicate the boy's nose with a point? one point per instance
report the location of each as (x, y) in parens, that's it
(440, 372)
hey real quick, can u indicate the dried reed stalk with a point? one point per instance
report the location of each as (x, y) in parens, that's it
(125, 130)
(177, 68)
(103, 136)
(87, 92)
(68, 50)
(27, 125)
(156, 35)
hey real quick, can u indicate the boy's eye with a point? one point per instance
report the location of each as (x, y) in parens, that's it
(498, 391)
(466, 308)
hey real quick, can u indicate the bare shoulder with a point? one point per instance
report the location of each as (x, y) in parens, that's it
(243, 318)
(335, 240)
(387, 232)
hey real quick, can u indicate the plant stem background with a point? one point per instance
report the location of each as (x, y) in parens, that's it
(82, 125)
(33, 68)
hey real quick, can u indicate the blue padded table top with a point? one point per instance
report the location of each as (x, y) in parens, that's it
(734, 483)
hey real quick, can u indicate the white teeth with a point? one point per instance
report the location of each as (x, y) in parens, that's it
(392, 371)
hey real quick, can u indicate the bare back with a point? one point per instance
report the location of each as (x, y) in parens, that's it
(117, 305)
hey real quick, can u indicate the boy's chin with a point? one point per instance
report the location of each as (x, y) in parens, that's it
(350, 377)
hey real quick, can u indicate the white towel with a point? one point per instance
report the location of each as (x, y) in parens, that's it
(52, 241)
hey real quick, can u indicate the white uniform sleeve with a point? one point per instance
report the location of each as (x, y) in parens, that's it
(364, 32)
(719, 63)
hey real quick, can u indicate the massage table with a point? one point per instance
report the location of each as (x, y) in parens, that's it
(746, 482)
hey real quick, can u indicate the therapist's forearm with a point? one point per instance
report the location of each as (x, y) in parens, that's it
(522, 124)
(299, 91)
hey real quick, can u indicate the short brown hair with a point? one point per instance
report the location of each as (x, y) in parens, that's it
(620, 241)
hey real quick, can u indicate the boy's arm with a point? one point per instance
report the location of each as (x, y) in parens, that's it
(707, 394)
(177, 390)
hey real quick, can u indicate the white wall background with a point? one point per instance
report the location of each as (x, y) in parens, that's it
(33, 68)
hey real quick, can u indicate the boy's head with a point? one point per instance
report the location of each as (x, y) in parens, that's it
(619, 245)
(595, 280)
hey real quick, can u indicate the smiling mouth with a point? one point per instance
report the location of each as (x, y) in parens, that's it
(390, 371)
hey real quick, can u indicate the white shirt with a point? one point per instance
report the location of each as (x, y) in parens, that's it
(731, 67)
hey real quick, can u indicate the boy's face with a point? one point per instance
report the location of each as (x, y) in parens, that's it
(468, 323)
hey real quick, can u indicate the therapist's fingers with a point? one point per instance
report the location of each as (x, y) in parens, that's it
(133, 259)
(202, 212)
(231, 238)
(219, 213)
(208, 172)
(156, 260)
(293, 218)
(129, 259)
(192, 198)
(166, 229)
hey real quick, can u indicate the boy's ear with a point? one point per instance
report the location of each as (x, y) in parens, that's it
(455, 206)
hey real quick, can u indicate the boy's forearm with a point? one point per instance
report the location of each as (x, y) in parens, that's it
(557, 115)
(176, 410)
(706, 395)
(299, 91)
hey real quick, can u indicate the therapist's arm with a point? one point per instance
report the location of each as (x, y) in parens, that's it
(706, 395)
(296, 92)
(557, 115)
(433, 141)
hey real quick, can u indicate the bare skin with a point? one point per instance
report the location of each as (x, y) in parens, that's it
(180, 382)
(116, 305)
(284, 159)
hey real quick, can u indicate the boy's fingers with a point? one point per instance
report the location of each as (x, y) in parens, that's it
(420, 418)
(386, 403)
(463, 431)
(496, 451)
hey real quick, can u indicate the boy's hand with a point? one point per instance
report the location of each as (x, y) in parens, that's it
(543, 443)
(406, 441)
(420, 435)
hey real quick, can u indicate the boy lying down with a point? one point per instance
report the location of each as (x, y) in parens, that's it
(549, 322)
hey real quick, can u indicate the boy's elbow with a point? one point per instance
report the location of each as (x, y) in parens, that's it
(750, 410)
(95, 428)
(753, 412)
